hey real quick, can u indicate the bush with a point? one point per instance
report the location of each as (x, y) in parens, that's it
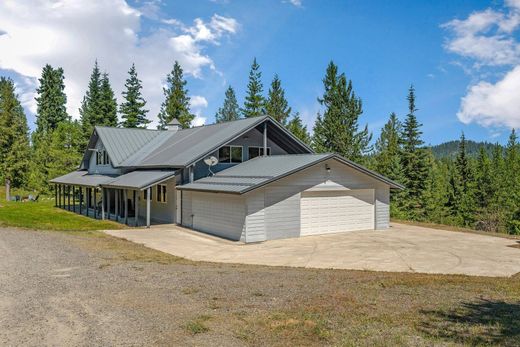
(513, 226)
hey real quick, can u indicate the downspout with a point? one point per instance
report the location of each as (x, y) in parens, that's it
(265, 139)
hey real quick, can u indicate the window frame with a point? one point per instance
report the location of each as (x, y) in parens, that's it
(161, 195)
(260, 151)
(230, 160)
(102, 158)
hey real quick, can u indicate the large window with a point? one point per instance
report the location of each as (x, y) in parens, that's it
(257, 151)
(161, 193)
(102, 158)
(230, 154)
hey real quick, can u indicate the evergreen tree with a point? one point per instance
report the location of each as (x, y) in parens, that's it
(51, 100)
(108, 102)
(90, 110)
(462, 182)
(229, 111)
(65, 149)
(276, 105)
(414, 160)
(337, 130)
(254, 103)
(388, 150)
(14, 137)
(177, 102)
(132, 109)
(296, 127)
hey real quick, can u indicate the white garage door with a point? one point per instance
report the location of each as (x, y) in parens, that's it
(325, 212)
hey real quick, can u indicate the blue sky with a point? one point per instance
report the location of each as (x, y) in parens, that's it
(462, 56)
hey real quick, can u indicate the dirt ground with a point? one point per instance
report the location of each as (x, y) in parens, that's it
(89, 289)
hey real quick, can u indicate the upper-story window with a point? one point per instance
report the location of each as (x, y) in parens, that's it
(230, 154)
(257, 151)
(102, 157)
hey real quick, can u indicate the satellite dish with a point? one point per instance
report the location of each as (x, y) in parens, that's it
(211, 161)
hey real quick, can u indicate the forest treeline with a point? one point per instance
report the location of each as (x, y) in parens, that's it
(460, 188)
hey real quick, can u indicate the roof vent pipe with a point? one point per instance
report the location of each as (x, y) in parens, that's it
(174, 125)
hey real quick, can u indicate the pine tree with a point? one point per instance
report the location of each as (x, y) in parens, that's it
(296, 127)
(462, 181)
(414, 160)
(229, 111)
(254, 103)
(177, 102)
(14, 137)
(90, 110)
(276, 105)
(132, 109)
(108, 102)
(51, 100)
(65, 149)
(388, 150)
(337, 130)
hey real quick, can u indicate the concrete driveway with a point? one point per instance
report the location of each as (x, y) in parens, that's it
(402, 248)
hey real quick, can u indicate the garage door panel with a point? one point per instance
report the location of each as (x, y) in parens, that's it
(325, 212)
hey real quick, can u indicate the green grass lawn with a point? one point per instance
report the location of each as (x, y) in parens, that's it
(43, 215)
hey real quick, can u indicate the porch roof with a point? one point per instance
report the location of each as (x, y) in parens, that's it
(139, 179)
(82, 178)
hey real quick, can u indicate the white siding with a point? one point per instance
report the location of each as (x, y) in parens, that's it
(255, 219)
(219, 214)
(282, 214)
(382, 208)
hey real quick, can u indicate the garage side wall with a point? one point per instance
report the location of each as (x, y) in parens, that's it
(382, 202)
(223, 215)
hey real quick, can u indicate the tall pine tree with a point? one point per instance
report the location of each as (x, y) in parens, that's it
(276, 104)
(337, 130)
(14, 138)
(51, 101)
(254, 103)
(177, 102)
(388, 150)
(296, 127)
(229, 110)
(132, 109)
(90, 110)
(108, 102)
(414, 161)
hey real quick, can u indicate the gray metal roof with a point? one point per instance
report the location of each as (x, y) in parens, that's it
(133, 180)
(260, 171)
(143, 148)
(139, 179)
(82, 178)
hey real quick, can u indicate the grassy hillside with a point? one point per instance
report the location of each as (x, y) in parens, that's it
(449, 149)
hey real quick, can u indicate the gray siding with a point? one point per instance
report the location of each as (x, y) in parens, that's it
(382, 208)
(219, 214)
(101, 169)
(159, 211)
(255, 219)
(282, 215)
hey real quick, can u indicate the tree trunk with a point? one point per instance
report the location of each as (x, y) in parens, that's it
(8, 189)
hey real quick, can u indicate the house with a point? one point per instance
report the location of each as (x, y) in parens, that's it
(265, 184)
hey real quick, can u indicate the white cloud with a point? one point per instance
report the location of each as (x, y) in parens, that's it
(197, 102)
(297, 3)
(487, 38)
(73, 33)
(493, 104)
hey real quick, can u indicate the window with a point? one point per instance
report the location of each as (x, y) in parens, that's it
(161, 193)
(230, 154)
(145, 194)
(102, 157)
(257, 151)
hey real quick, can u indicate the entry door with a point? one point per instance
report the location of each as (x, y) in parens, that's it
(324, 212)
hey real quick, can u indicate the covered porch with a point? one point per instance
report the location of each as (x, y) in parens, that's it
(108, 197)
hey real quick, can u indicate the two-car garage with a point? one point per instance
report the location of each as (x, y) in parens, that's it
(287, 196)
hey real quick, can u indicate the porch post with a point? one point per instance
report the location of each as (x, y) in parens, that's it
(87, 191)
(265, 139)
(108, 203)
(74, 199)
(136, 208)
(149, 191)
(95, 203)
(103, 201)
(125, 196)
(116, 196)
(68, 198)
(55, 195)
(59, 195)
(64, 197)
(80, 199)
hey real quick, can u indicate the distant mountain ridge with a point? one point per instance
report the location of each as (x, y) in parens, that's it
(449, 149)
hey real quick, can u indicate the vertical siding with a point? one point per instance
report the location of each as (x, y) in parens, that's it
(186, 204)
(382, 208)
(255, 219)
(101, 169)
(219, 214)
(282, 215)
